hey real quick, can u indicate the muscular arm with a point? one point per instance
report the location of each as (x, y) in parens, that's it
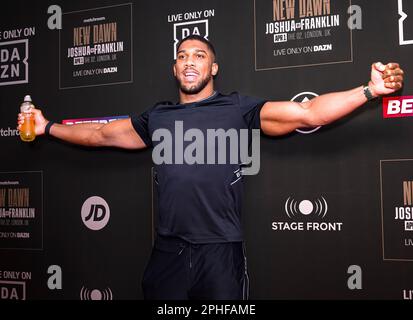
(119, 133)
(279, 118)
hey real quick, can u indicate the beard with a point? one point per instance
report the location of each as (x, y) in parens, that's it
(194, 88)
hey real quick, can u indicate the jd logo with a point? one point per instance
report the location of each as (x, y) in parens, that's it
(95, 213)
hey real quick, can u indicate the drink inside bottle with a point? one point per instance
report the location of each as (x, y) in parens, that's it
(27, 132)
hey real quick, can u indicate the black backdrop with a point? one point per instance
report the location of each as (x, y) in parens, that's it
(351, 172)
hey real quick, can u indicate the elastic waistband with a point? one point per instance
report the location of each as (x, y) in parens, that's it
(176, 244)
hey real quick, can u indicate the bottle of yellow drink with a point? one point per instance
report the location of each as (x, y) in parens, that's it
(27, 132)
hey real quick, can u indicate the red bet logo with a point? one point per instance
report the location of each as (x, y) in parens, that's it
(397, 107)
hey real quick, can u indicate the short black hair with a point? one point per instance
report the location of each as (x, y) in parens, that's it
(199, 38)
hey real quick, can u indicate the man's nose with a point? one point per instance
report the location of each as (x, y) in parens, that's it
(189, 61)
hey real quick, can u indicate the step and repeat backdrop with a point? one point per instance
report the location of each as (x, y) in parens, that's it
(329, 216)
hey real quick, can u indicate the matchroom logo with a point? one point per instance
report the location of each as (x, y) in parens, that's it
(9, 132)
(306, 214)
(397, 209)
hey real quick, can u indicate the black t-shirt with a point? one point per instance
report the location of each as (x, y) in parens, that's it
(199, 202)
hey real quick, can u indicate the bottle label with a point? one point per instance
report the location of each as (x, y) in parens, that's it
(26, 107)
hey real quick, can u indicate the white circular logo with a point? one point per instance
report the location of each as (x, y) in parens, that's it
(303, 97)
(95, 294)
(306, 207)
(95, 213)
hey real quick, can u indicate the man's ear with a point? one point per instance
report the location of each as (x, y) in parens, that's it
(215, 68)
(174, 70)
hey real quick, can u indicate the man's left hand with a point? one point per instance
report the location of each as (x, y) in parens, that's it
(385, 79)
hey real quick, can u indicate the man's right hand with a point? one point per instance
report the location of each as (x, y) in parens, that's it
(40, 121)
(119, 133)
